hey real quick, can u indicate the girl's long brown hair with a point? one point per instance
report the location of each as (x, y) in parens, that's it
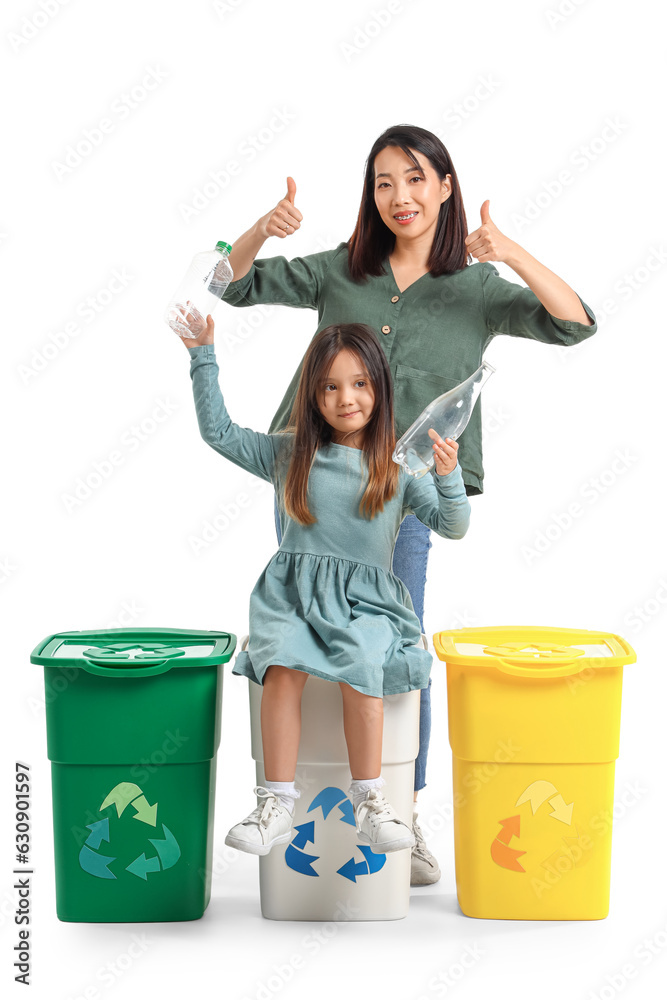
(311, 431)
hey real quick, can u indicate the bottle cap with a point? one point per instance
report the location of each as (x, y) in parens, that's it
(223, 246)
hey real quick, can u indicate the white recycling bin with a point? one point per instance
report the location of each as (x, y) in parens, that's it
(324, 873)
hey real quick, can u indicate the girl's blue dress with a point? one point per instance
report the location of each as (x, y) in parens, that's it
(327, 602)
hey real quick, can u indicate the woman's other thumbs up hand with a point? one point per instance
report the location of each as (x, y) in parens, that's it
(285, 218)
(487, 242)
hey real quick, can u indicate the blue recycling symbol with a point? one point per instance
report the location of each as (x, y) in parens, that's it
(299, 861)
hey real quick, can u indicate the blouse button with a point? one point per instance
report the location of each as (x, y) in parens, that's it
(394, 298)
(386, 329)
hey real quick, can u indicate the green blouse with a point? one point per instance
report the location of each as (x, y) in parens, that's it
(434, 333)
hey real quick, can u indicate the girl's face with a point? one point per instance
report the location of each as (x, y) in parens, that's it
(346, 399)
(409, 199)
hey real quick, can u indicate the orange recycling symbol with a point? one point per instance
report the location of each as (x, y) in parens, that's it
(501, 852)
(536, 793)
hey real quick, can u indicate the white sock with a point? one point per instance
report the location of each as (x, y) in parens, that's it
(285, 792)
(360, 786)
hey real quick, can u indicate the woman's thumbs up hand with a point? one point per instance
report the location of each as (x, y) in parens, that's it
(487, 242)
(285, 218)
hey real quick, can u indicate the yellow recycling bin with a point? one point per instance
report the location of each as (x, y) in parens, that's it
(534, 721)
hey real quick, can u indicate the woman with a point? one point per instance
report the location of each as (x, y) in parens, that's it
(406, 272)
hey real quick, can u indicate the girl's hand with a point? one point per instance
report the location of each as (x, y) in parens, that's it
(444, 452)
(487, 242)
(194, 323)
(284, 219)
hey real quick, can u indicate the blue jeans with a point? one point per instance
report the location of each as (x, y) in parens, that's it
(409, 565)
(410, 561)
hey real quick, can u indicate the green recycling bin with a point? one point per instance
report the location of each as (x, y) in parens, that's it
(133, 727)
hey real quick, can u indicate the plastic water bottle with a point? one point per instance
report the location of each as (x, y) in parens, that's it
(199, 292)
(448, 415)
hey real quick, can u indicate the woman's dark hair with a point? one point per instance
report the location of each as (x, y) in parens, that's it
(311, 431)
(372, 242)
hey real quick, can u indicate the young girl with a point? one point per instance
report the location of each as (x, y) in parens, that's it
(327, 603)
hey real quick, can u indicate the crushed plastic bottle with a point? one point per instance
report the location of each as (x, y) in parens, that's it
(202, 287)
(448, 415)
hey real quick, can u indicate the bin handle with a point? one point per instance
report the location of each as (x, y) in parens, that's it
(626, 648)
(560, 667)
(100, 668)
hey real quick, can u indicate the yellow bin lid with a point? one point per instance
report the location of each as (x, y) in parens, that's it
(532, 650)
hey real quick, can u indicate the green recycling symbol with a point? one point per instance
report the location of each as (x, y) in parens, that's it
(144, 651)
(121, 796)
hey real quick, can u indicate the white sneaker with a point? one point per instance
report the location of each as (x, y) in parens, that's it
(267, 825)
(424, 869)
(379, 826)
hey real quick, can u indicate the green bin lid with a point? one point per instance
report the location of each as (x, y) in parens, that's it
(131, 649)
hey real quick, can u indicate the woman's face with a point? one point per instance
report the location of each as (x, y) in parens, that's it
(407, 198)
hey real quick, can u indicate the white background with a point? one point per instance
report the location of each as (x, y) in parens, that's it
(536, 91)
